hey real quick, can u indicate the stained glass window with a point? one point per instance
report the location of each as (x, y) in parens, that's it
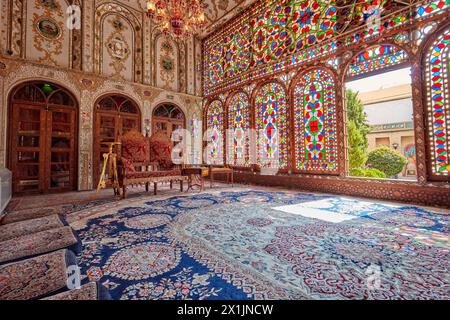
(272, 35)
(432, 6)
(271, 125)
(315, 123)
(289, 25)
(236, 51)
(438, 104)
(269, 34)
(215, 133)
(216, 63)
(376, 58)
(308, 22)
(239, 126)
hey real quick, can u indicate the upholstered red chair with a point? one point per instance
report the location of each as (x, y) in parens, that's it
(161, 155)
(134, 164)
(144, 161)
(161, 151)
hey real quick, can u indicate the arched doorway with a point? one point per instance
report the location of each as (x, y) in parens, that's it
(115, 114)
(43, 138)
(168, 118)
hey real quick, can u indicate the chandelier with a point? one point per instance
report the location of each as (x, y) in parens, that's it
(180, 18)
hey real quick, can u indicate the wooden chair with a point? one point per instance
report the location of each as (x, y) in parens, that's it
(161, 155)
(143, 161)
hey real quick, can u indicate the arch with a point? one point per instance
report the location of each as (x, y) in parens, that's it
(102, 12)
(180, 47)
(215, 131)
(435, 60)
(42, 137)
(168, 110)
(315, 122)
(168, 117)
(114, 114)
(271, 119)
(238, 110)
(374, 59)
(118, 99)
(166, 62)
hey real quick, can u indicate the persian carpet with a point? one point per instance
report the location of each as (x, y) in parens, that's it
(35, 277)
(17, 229)
(38, 243)
(236, 245)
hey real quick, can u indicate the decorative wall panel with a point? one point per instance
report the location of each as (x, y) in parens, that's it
(118, 42)
(167, 63)
(47, 38)
(315, 126)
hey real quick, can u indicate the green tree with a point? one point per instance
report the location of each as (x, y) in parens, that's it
(389, 161)
(369, 173)
(357, 129)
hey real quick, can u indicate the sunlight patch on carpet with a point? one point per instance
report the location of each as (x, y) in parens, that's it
(335, 210)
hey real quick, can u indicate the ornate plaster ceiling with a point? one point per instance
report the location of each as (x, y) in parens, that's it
(218, 12)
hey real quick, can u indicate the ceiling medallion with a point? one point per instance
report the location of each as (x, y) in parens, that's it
(178, 18)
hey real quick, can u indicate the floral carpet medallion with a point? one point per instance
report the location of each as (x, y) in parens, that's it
(234, 245)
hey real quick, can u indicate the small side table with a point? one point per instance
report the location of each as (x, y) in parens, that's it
(195, 179)
(221, 170)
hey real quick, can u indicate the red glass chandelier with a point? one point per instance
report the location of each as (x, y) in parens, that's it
(180, 18)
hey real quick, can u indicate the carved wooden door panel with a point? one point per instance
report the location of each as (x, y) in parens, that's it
(28, 148)
(61, 153)
(43, 149)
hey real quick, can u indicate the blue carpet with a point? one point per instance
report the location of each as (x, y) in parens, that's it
(234, 245)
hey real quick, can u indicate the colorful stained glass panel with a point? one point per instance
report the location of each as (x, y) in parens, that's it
(438, 104)
(215, 133)
(375, 59)
(315, 123)
(271, 125)
(239, 128)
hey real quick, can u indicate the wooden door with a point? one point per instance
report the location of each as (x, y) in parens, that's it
(43, 149)
(27, 145)
(60, 150)
(162, 125)
(106, 131)
(115, 115)
(167, 118)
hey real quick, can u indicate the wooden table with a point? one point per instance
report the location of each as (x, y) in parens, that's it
(214, 170)
(195, 175)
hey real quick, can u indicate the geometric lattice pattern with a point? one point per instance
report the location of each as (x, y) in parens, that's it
(438, 104)
(315, 122)
(239, 125)
(376, 58)
(215, 132)
(274, 34)
(271, 124)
